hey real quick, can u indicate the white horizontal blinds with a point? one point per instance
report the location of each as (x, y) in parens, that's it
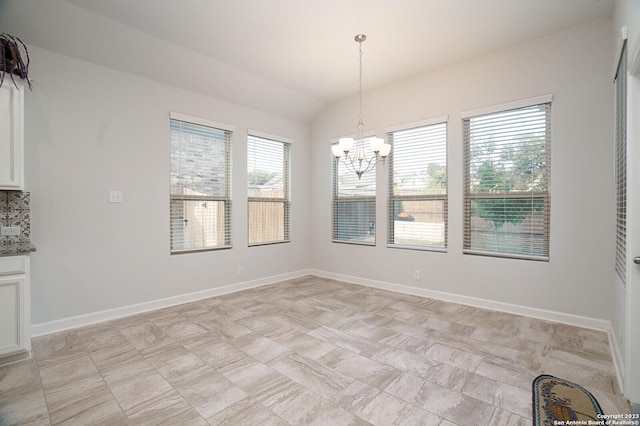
(507, 170)
(200, 200)
(354, 203)
(621, 167)
(418, 187)
(268, 190)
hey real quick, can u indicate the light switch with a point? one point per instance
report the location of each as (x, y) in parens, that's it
(115, 197)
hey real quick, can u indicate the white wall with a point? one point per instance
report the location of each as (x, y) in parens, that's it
(574, 66)
(88, 130)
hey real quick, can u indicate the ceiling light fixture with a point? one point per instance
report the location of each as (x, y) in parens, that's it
(356, 159)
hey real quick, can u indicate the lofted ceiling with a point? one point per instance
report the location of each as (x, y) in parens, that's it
(288, 57)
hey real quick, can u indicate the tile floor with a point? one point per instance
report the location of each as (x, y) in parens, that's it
(304, 351)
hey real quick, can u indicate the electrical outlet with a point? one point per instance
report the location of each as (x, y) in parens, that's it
(116, 197)
(9, 230)
(416, 275)
(240, 271)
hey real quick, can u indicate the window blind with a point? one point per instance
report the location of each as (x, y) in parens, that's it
(200, 195)
(268, 190)
(417, 206)
(507, 171)
(621, 167)
(354, 203)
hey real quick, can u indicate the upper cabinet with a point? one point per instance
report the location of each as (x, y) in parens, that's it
(11, 135)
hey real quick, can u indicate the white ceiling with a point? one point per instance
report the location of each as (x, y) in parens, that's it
(289, 57)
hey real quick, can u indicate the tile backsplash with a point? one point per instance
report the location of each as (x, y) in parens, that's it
(15, 210)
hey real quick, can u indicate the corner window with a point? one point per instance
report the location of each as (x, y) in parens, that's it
(417, 210)
(200, 197)
(507, 170)
(268, 190)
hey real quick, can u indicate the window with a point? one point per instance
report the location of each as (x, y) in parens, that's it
(418, 186)
(200, 200)
(507, 170)
(268, 190)
(621, 167)
(354, 203)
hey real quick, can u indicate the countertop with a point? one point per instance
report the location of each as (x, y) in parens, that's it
(17, 249)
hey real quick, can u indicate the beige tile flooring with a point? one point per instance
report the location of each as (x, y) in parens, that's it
(304, 351)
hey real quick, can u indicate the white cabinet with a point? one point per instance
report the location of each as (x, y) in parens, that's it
(11, 135)
(15, 315)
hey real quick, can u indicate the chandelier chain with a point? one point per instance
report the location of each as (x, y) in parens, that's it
(360, 83)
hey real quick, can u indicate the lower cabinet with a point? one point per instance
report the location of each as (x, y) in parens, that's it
(15, 315)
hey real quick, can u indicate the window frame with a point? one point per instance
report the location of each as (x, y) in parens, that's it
(468, 197)
(337, 200)
(286, 199)
(226, 199)
(392, 198)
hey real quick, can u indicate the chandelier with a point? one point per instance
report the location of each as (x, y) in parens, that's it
(353, 151)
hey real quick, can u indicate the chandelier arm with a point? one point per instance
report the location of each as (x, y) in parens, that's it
(349, 162)
(371, 162)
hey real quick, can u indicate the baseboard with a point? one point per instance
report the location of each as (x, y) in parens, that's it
(561, 317)
(618, 358)
(12, 359)
(111, 314)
